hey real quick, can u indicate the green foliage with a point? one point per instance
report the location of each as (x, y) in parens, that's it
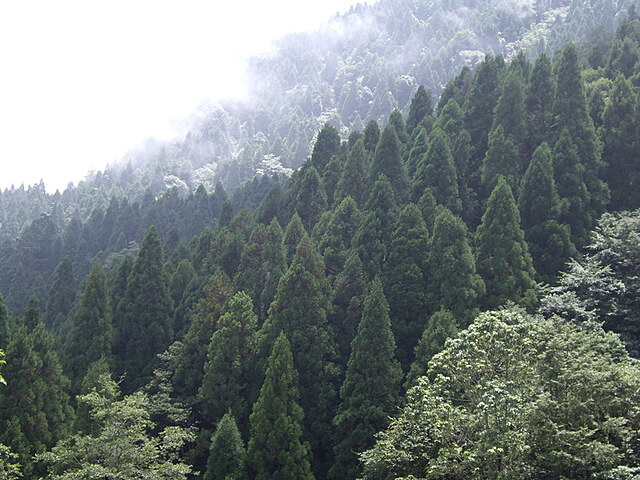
(336, 239)
(327, 145)
(510, 109)
(61, 295)
(275, 264)
(227, 455)
(505, 400)
(501, 160)
(420, 108)
(387, 161)
(353, 182)
(121, 445)
(369, 393)
(276, 448)
(503, 256)
(294, 232)
(539, 102)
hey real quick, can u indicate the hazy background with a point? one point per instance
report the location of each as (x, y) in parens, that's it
(82, 82)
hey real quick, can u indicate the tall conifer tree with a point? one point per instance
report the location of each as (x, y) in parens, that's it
(388, 161)
(227, 455)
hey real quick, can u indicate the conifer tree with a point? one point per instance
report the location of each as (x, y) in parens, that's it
(510, 109)
(420, 108)
(353, 182)
(5, 326)
(228, 372)
(539, 102)
(272, 205)
(503, 256)
(61, 295)
(336, 240)
(416, 151)
(300, 311)
(539, 205)
(371, 136)
(501, 159)
(388, 161)
(331, 177)
(437, 173)
(395, 119)
(311, 200)
(372, 238)
(277, 450)
(441, 325)
(146, 307)
(292, 236)
(275, 265)
(91, 334)
(327, 145)
(250, 276)
(620, 153)
(404, 279)
(369, 393)
(227, 455)
(453, 281)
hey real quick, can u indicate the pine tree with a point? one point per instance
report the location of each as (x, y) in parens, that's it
(416, 151)
(292, 236)
(371, 136)
(61, 295)
(453, 281)
(510, 109)
(404, 279)
(503, 257)
(91, 334)
(227, 455)
(146, 307)
(539, 102)
(336, 240)
(502, 159)
(388, 161)
(420, 108)
(539, 205)
(311, 200)
(437, 173)
(276, 448)
(620, 153)
(395, 119)
(300, 311)
(440, 327)
(353, 182)
(331, 177)
(369, 393)
(327, 145)
(228, 372)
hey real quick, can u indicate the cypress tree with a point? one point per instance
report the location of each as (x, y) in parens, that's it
(91, 334)
(510, 109)
(276, 448)
(311, 200)
(146, 327)
(331, 177)
(292, 236)
(227, 455)
(437, 173)
(300, 311)
(371, 136)
(61, 295)
(404, 275)
(453, 281)
(228, 372)
(502, 159)
(251, 274)
(272, 205)
(395, 119)
(503, 257)
(420, 108)
(353, 182)
(416, 151)
(539, 102)
(539, 205)
(336, 240)
(369, 393)
(327, 145)
(388, 161)
(441, 325)
(620, 153)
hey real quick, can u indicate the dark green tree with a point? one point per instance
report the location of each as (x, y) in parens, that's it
(292, 236)
(275, 265)
(415, 151)
(395, 119)
(420, 108)
(539, 102)
(336, 239)
(276, 447)
(369, 394)
(227, 455)
(371, 136)
(91, 334)
(5, 324)
(388, 161)
(327, 145)
(510, 109)
(146, 307)
(61, 295)
(311, 200)
(228, 376)
(503, 256)
(251, 274)
(353, 182)
(502, 159)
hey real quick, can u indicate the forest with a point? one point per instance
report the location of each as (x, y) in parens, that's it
(445, 293)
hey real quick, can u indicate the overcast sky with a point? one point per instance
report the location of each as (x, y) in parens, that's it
(83, 81)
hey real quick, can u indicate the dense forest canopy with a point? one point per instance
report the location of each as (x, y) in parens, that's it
(443, 290)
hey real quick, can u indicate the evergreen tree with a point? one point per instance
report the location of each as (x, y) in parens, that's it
(146, 307)
(503, 257)
(276, 449)
(502, 159)
(420, 108)
(404, 276)
(226, 213)
(178, 286)
(228, 372)
(388, 161)
(371, 136)
(61, 295)
(510, 109)
(331, 177)
(437, 172)
(440, 327)
(539, 102)
(336, 240)
(91, 334)
(272, 205)
(275, 265)
(327, 145)
(395, 119)
(300, 311)
(292, 236)
(369, 393)
(539, 205)
(620, 153)
(311, 200)
(453, 281)
(5, 325)
(227, 455)
(416, 151)
(251, 274)
(353, 182)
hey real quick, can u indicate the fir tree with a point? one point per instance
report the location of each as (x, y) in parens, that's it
(502, 159)
(311, 200)
(353, 182)
(510, 109)
(331, 177)
(275, 265)
(388, 161)
(503, 257)
(395, 119)
(369, 393)
(276, 448)
(416, 151)
(250, 276)
(61, 295)
(327, 145)
(227, 455)
(336, 240)
(228, 372)
(539, 102)
(146, 326)
(292, 236)
(91, 334)
(420, 108)
(371, 136)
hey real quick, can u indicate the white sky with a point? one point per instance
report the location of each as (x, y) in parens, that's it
(82, 82)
